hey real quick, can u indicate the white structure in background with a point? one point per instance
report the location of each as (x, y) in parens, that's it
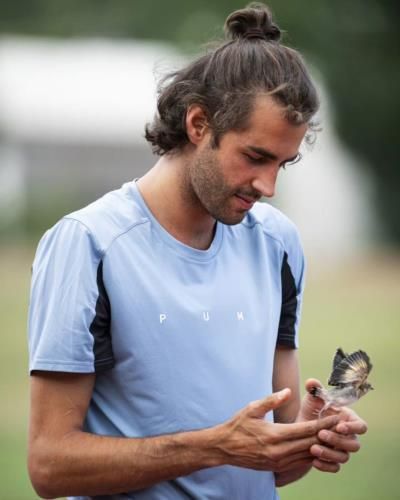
(72, 116)
(328, 195)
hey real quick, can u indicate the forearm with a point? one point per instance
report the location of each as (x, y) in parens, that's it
(286, 374)
(87, 464)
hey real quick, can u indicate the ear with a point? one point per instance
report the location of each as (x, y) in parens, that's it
(197, 127)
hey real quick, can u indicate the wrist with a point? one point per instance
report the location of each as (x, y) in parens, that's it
(201, 447)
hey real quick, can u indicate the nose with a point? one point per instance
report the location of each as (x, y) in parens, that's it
(265, 181)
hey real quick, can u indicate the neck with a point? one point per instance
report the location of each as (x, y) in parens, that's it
(168, 194)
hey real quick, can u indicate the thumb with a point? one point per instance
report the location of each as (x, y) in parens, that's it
(310, 404)
(259, 408)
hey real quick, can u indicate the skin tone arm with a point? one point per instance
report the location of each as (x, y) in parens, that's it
(65, 460)
(334, 445)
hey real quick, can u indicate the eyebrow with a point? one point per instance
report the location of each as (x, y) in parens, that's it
(268, 154)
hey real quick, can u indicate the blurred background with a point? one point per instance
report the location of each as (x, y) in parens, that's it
(78, 83)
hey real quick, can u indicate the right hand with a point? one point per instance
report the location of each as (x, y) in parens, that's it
(247, 440)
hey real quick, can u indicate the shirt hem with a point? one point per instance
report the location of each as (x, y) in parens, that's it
(52, 366)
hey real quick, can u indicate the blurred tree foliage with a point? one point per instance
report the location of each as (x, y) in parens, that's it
(354, 43)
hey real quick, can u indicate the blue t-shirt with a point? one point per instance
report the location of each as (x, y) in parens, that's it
(180, 338)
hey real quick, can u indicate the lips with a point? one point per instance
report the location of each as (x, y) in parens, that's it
(246, 202)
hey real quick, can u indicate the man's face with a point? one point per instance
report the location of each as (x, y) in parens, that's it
(226, 181)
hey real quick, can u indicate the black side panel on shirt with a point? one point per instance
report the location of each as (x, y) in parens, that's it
(100, 327)
(287, 321)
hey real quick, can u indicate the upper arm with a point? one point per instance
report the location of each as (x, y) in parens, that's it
(286, 362)
(59, 402)
(286, 374)
(69, 311)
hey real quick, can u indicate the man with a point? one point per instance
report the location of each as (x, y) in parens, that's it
(164, 316)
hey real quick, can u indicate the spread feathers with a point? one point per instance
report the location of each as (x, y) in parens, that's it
(348, 380)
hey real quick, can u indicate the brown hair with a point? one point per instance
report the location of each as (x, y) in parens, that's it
(225, 80)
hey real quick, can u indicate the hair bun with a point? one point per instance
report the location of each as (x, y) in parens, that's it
(254, 21)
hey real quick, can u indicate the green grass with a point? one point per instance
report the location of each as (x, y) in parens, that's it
(357, 306)
(15, 275)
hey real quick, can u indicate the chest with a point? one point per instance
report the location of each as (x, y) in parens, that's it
(181, 327)
(160, 293)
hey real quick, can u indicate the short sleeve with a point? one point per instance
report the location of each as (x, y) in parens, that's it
(292, 278)
(69, 311)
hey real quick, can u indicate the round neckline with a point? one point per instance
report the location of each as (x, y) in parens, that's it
(182, 249)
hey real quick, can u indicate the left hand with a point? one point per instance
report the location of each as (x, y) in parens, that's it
(337, 444)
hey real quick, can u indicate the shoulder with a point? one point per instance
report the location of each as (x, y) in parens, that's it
(274, 224)
(104, 220)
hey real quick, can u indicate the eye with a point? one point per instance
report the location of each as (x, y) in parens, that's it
(255, 160)
(291, 162)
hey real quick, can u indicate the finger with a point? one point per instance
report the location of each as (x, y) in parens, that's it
(304, 429)
(344, 443)
(289, 460)
(259, 408)
(351, 423)
(358, 426)
(329, 455)
(311, 383)
(325, 466)
(311, 405)
(295, 446)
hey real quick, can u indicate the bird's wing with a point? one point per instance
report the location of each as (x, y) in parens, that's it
(352, 369)
(339, 356)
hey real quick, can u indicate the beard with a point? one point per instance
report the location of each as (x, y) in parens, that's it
(208, 187)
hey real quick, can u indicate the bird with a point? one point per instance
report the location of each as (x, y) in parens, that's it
(348, 380)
